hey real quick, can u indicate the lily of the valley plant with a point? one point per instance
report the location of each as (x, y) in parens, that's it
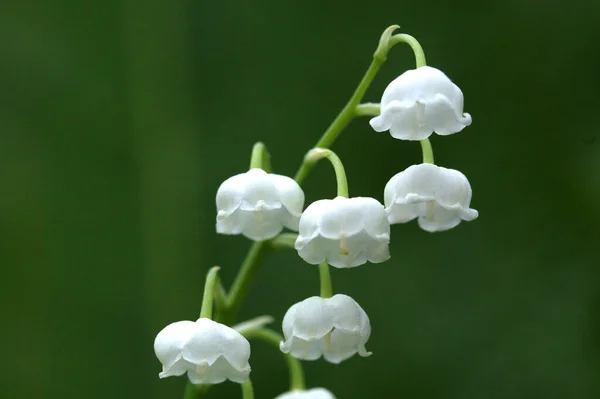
(343, 232)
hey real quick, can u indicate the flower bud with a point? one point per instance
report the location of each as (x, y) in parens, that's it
(419, 102)
(346, 232)
(258, 205)
(437, 196)
(335, 328)
(209, 352)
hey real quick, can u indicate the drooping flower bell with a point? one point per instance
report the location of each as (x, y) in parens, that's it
(335, 328)
(346, 232)
(258, 204)
(419, 102)
(208, 351)
(314, 393)
(437, 196)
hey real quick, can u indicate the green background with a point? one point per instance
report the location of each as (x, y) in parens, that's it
(118, 121)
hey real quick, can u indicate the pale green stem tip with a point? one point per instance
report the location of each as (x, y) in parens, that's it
(325, 278)
(368, 109)
(294, 365)
(284, 240)
(209, 291)
(253, 324)
(413, 43)
(247, 389)
(427, 151)
(316, 154)
(260, 158)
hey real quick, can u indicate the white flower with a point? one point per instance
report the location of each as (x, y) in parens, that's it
(258, 205)
(209, 352)
(439, 197)
(347, 232)
(335, 328)
(315, 393)
(419, 102)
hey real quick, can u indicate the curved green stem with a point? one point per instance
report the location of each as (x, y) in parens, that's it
(343, 119)
(253, 324)
(413, 43)
(209, 291)
(294, 365)
(243, 280)
(220, 300)
(368, 109)
(325, 278)
(314, 155)
(284, 240)
(247, 389)
(260, 157)
(427, 151)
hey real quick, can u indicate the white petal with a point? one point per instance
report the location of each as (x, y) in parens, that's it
(218, 353)
(180, 367)
(315, 393)
(311, 319)
(348, 315)
(259, 189)
(343, 345)
(311, 218)
(303, 349)
(408, 121)
(343, 218)
(290, 193)
(442, 118)
(261, 225)
(170, 342)
(382, 122)
(217, 372)
(375, 221)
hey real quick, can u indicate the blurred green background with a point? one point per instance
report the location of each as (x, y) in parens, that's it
(118, 121)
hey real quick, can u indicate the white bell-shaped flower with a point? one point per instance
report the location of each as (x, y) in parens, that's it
(208, 351)
(346, 232)
(258, 205)
(419, 102)
(314, 393)
(439, 197)
(335, 328)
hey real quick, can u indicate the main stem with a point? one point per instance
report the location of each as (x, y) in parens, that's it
(259, 249)
(343, 119)
(243, 280)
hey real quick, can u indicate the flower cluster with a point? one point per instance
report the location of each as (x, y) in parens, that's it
(342, 232)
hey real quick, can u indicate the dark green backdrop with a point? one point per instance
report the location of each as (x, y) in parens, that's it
(118, 121)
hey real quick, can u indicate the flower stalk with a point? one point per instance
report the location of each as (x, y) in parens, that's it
(212, 279)
(317, 154)
(325, 279)
(294, 365)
